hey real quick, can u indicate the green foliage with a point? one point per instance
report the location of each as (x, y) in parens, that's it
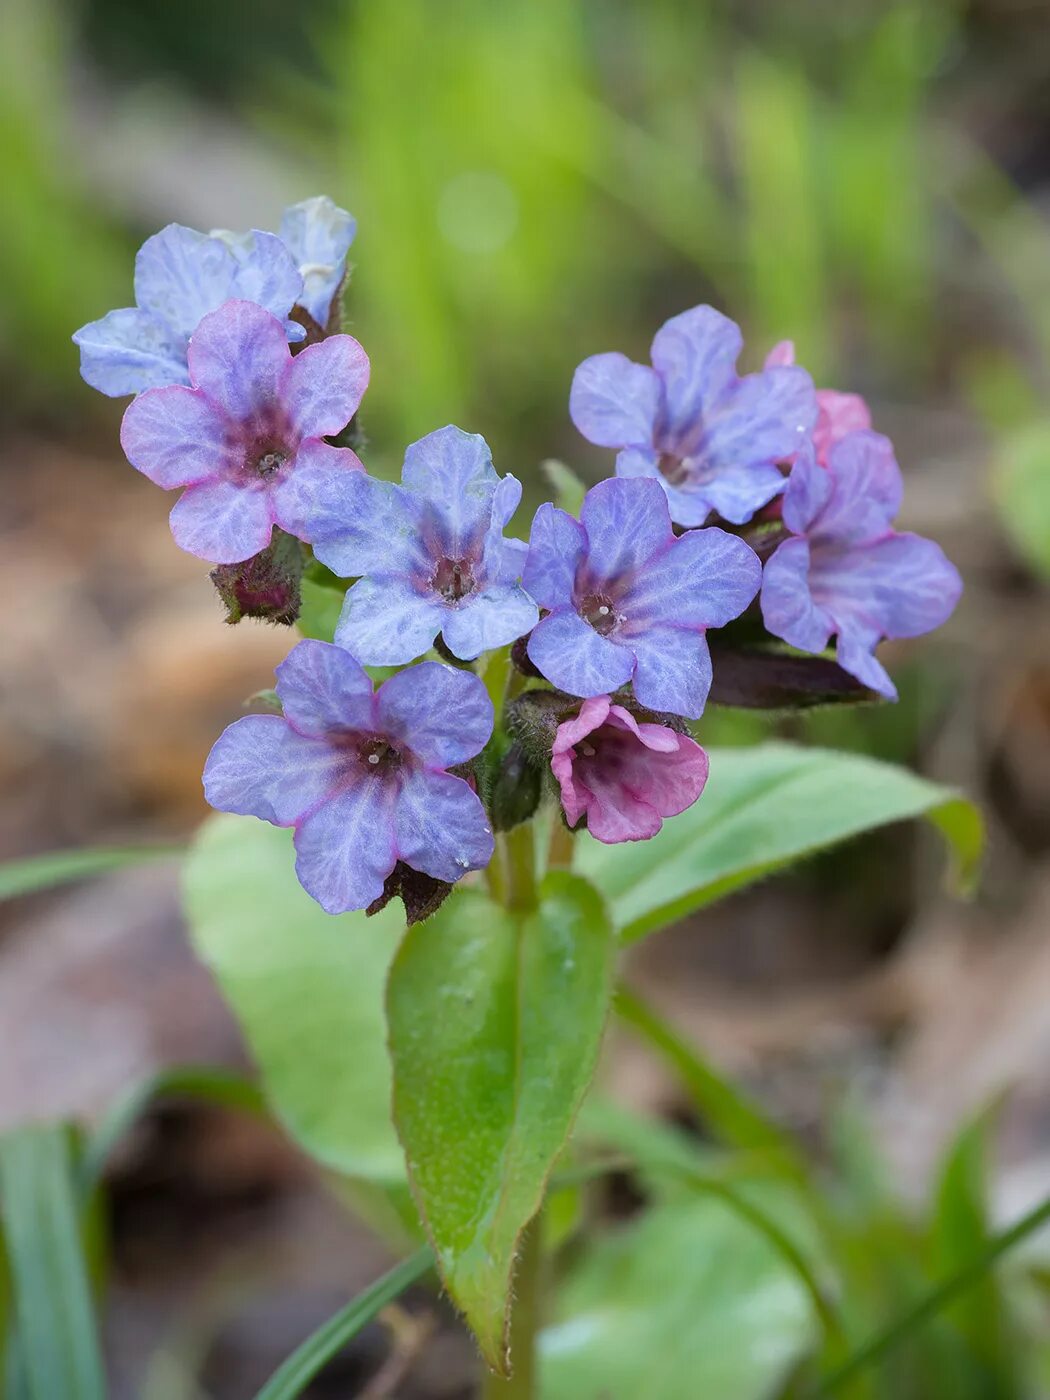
(57, 1345)
(1022, 492)
(495, 1020)
(320, 608)
(763, 808)
(45, 872)
(687, 1300)
(307, 989)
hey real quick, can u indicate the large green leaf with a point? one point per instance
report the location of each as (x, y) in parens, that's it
(57, 1342)
(495, 1022)
(763, 808)
(307, 989)
(687, 1300)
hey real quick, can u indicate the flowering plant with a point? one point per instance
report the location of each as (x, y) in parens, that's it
(485, 717)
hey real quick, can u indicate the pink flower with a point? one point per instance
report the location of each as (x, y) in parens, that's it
(621, 775)
(837, 414)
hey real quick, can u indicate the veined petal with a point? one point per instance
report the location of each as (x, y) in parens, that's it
(222, 521)
(260, 767)
(442, 829)
(128, 351)
(318, 234)
(760, 420)
(695, 354)
(181, 275)
(705, 579)
(613, 401)
(175, 437)
(687, 503)
(442, 714)
(627, 522)
(866, 489)
(574, 657)
(735, 493)
(266, 273)
(323, 690)
(363, 525)
(496, 616)
(323, 386)
(347, 847)
(788, 608)
(556, 547)
(673, 670)
(452, 470)
(238, 356)
(388, 622)
(901, 585)
(807, 493)
(313, 478)
(854, 651)
(837, 415)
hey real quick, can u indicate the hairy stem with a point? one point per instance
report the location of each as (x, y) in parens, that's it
(522, 1383)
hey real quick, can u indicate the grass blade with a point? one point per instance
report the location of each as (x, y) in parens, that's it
(57, 1338)
(61, 867)
(291, 1378)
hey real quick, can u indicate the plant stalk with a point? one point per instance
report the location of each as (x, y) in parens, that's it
(519, 846)
(523, 1382)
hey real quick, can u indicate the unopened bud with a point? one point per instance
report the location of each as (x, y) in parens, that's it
(265, 586)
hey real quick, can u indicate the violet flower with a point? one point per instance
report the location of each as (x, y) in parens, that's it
(180, 276)
(712, 439)
(630, 602)
(622, 775)
(431, 552)
(837, 413)
(246, 440)
(361, 775)
(847, 573)
(318, 234)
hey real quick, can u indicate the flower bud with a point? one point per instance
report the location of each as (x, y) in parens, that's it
(516, 789)
(264, 586)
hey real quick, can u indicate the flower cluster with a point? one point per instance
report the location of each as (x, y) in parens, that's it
(572, 663)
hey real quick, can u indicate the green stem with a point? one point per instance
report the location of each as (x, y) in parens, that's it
(519, 847)
(522, 1383)
(933, 1301)
(562, 846)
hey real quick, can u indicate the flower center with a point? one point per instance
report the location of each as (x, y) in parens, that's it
(598, 610)
(379, 755)
(674, 470)
(453, 579)
(269, 462)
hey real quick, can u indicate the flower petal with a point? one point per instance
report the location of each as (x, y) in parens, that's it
(318, 234)
(854, 652)
(614, 402)
(556, 546)
(222, 521)
(323, 690)
(627, 522)
(807, 493)
(695, 354)
(388, 622)
(736, 492)
(453, 470)
(574, 657)
(705, 579)
(315, 475)
(260, 767)
(866, 489)
(788, 608)
(175, 436)
(783, 353)
(688, 504)
(673, 670)
(670, 778)
(495, 617)
(181, 275)
(346, 848)
(441, 826)
(324, 385)
(128, 351)
(442, 714)
(902, 585)
(237, 356)
(363, 525)
(838, 414)
(761, 419)
(266, 273)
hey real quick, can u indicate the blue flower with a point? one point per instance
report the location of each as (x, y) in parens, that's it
(361, 776)
(318, 234)
(180, 276)
(711, 439)
(431, 553)
(629, 602)
(846, 572)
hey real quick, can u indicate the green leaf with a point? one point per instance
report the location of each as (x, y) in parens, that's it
(686, 1300)
(495, 1022)
(292, 1378)
(307, 989)
(762, 809)
(1022, 490)
(57, 1341)
(319, 610)
(568, 489)
(61, 867)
